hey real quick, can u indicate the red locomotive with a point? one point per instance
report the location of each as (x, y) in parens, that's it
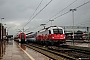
(22, 37)
(51, 36)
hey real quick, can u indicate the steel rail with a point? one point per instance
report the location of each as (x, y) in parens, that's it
(50, 53)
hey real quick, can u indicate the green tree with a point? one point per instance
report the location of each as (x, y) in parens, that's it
(79, 31)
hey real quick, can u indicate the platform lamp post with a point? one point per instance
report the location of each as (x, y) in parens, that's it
(51, 21)
(43, 25)
(73, 23)
(1, 29)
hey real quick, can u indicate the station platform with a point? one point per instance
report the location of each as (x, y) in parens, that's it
(16, 51)
(11, 51)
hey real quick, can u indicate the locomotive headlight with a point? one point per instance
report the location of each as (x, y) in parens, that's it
(64, 37)
(52, 37)
(19, 40)
(25, 40)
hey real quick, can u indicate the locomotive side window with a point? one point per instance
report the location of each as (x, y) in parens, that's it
(57, 31)
(31, 36)
(49, 32)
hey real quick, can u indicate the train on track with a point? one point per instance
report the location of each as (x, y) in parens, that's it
(21, 37)
(77, 36)
(52, 35)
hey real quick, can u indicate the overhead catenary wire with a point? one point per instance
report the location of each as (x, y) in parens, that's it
(34, 28)
(64, 9)
(34, 11)
(61, 15)
(32, 14)
(39, 12)
(83, 4)
(61, 10)
(69, 11)
(74, 8)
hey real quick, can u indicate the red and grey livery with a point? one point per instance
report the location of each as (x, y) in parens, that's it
(51, 36)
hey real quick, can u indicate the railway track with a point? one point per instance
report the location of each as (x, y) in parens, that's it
(84, 50)
(79, 53)
(54, 55)
(62, 53)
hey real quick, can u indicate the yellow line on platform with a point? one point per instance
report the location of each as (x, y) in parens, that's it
(27, 54)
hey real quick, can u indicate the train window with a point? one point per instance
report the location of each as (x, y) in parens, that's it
(31, 36)
(49, 32)
(57, 31)
(27, 36)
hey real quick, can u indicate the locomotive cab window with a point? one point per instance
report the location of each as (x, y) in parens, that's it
(49, 32)
(57, 31)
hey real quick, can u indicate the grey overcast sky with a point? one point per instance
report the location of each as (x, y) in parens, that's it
(18, 12)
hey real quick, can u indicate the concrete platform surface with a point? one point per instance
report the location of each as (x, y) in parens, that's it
(16, 51)
(13, 52)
